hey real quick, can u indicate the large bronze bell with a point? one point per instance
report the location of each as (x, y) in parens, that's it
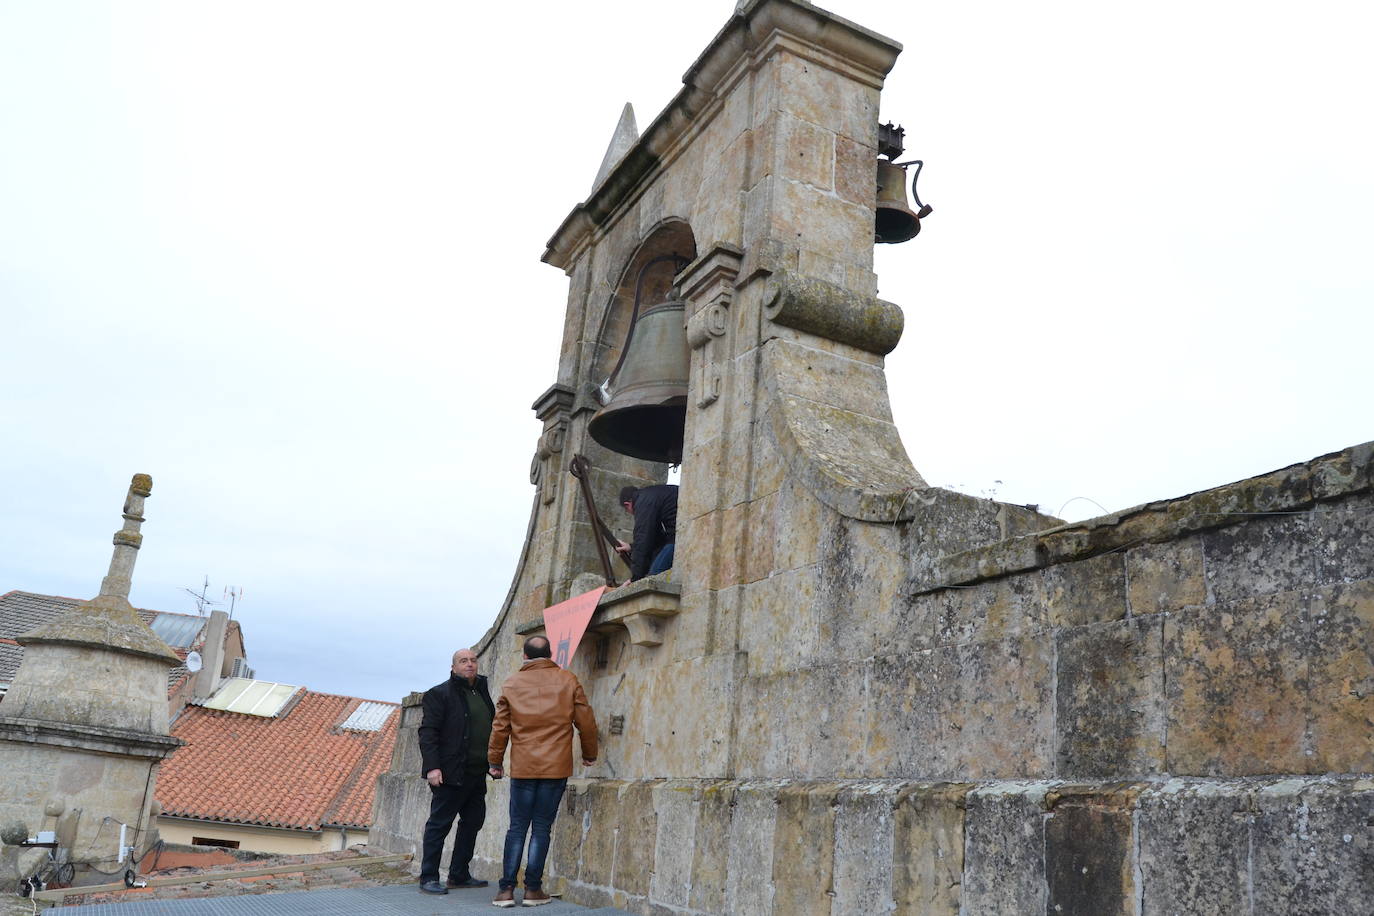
(647, 409)
(895, 221)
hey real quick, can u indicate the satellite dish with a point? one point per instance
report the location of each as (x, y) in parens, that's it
(193, 662)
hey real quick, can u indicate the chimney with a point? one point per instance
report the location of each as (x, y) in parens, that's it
(212, 655)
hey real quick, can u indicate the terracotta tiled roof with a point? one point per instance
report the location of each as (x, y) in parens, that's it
(299, 770)
(21, 612)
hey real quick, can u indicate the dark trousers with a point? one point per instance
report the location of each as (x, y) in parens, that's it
(663, 560)
(533, 806)
(468, 803)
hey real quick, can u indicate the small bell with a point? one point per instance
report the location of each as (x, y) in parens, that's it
(894, 220)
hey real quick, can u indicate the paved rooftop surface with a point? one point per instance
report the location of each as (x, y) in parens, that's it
(397, 900)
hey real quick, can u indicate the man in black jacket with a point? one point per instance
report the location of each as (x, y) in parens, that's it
(655, 514)
(453, 752)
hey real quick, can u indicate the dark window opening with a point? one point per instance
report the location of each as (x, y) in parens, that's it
(209, 841)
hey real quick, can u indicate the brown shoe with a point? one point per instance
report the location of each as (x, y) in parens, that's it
(505, 898)
(535, 897)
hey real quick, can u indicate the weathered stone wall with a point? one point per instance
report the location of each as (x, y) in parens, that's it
(1297, 845)
(859, 693)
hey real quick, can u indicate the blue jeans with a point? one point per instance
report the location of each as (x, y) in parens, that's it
(662, 562)
(533, 803)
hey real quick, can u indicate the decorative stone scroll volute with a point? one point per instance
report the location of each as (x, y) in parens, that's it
(545, 470)
(708, 284)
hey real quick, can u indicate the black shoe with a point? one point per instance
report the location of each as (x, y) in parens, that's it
(467, 882)
(432, 887)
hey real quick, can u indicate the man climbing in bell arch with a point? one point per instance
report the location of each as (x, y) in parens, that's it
(655, 513)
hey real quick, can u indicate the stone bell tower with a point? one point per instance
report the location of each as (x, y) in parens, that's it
(84, 724)
(751, 201)
(855, 692)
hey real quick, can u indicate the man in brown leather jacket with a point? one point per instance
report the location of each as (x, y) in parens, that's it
(538, 708)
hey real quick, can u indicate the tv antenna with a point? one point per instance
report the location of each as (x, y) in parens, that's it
(203, 601)
(233, 593)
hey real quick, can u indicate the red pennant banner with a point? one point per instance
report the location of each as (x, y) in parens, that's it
(565, 622)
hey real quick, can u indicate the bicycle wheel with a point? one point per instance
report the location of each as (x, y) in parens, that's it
(64, 874)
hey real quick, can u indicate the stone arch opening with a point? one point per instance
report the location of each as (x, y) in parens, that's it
(672, 237)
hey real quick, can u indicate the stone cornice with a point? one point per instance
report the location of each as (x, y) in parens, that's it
(1289, 490)
(752, 32)
(91, 738)
(557, 399)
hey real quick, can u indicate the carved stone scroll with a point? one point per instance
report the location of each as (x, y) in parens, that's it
(708, 283)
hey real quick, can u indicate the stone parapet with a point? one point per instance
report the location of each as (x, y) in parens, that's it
(753, 847)
(1289, 491)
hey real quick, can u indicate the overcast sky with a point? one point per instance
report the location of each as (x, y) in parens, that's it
(284, 257)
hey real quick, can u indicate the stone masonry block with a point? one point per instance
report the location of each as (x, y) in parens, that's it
(814, 264)
(1313, 853)
(1089, 851)
(908, 733)
(817, 220)
(861, 572)
(730, 547)
(739, 437)
(912, 623)
(855, 171)
(806, 153)
(749, 867)
(804, 850)
(636, 838)
(1341, 680)
(710, 851)
(1236, 688)
(1110, 699)
(695, 553)
(999, 706)
(768, 469)
(1345, 538)
(863, 849)
(780, 611)
(826, 98)
(1004, 850)
(801, 520)
(991, 610)
(761, 527)
(928, 849)
(565, 845)
(1194, 840)
(676, 803)
(725, 615)
(602, 798)
(829, 378)
(1165, 577)
(1260, 557)
(826, 703)
(1087, 591)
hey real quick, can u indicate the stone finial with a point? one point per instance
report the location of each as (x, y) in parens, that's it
(626, 133)
(108, 620)
(127, 540)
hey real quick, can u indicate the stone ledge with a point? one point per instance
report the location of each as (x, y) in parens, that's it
(91, 738)
(639, 607)
(1292, 489)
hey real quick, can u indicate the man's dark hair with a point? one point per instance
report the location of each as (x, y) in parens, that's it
(537, 647)
(628, 494)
